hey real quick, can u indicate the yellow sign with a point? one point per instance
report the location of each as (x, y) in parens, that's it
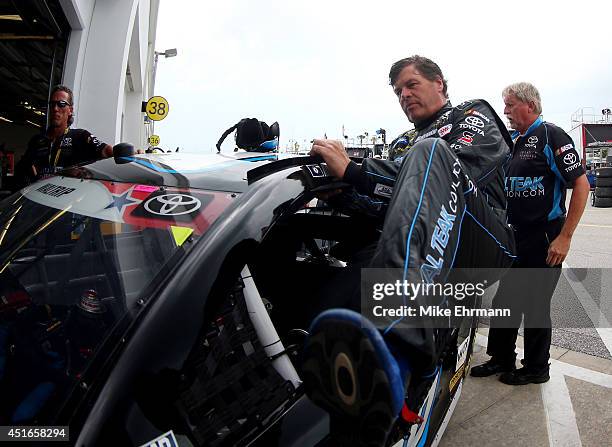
(154, 140)
(157, 108)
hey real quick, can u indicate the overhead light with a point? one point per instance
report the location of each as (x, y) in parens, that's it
(5, 119)
(33, 124)
(14, 17)
(168, 53)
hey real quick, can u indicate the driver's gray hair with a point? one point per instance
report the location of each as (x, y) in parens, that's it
(525, 92)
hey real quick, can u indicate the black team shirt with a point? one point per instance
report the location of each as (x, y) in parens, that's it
(73, 147)
(544, 160)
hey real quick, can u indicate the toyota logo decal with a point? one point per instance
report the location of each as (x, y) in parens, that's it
(569, 159)
(533, 140)
(473, 121)
(167, 204)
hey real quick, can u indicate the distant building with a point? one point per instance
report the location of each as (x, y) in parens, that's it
(592, 135)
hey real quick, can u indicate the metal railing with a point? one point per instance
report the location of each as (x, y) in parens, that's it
(587, 115)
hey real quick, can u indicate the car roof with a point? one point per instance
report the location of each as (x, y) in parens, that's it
(218, 172)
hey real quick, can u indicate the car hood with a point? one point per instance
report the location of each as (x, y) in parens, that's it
(218, 172)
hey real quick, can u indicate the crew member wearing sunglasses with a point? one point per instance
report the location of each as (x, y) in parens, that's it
(60, 146)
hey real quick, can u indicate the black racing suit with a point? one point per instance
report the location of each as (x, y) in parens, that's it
(543, 161)
(443, 195)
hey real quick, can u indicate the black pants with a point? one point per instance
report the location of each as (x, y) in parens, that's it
(437, 220)
(527, 291)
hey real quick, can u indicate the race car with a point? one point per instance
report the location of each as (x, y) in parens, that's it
(164, 300)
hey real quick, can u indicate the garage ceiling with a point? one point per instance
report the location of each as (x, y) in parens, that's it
(33, 39)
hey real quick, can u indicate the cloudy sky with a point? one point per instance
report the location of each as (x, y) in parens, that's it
(317, 65)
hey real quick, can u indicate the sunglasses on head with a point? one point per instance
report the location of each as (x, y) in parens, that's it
(61, 104)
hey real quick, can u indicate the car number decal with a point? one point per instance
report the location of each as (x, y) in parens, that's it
(165, 440)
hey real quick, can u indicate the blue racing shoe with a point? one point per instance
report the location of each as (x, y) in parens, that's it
(350, 372)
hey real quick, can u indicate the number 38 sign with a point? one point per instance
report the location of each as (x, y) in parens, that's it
(157, 108)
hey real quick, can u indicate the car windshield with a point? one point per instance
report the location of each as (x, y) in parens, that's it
(76, 256)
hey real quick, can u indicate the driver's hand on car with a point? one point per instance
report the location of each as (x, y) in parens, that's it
(334, 154)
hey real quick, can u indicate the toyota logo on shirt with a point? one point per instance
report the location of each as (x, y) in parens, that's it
(569, 159)
(172, 204)
(473, 121)
(533, 140)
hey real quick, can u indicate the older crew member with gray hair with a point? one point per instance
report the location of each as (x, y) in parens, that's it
(544, 162)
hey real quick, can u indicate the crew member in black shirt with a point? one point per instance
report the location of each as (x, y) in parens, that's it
(60, 146)
(544, 162)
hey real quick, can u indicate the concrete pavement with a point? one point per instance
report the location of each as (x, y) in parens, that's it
(573, 409)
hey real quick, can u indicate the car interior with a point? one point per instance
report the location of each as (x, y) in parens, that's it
(307, 261)
(62, 292)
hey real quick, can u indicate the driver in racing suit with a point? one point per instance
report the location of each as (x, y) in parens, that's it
(443, 202)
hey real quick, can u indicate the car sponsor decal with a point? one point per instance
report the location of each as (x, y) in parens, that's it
(53, 190)
(445, 130)
(172, 204)
(124, 203)
(455, 379)
(167, 206)
(122, 200)
(145, 188)
(533, 139)
(180, 234)
(462, 351)
(166, 440)
(383, 190)
(81, 196)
